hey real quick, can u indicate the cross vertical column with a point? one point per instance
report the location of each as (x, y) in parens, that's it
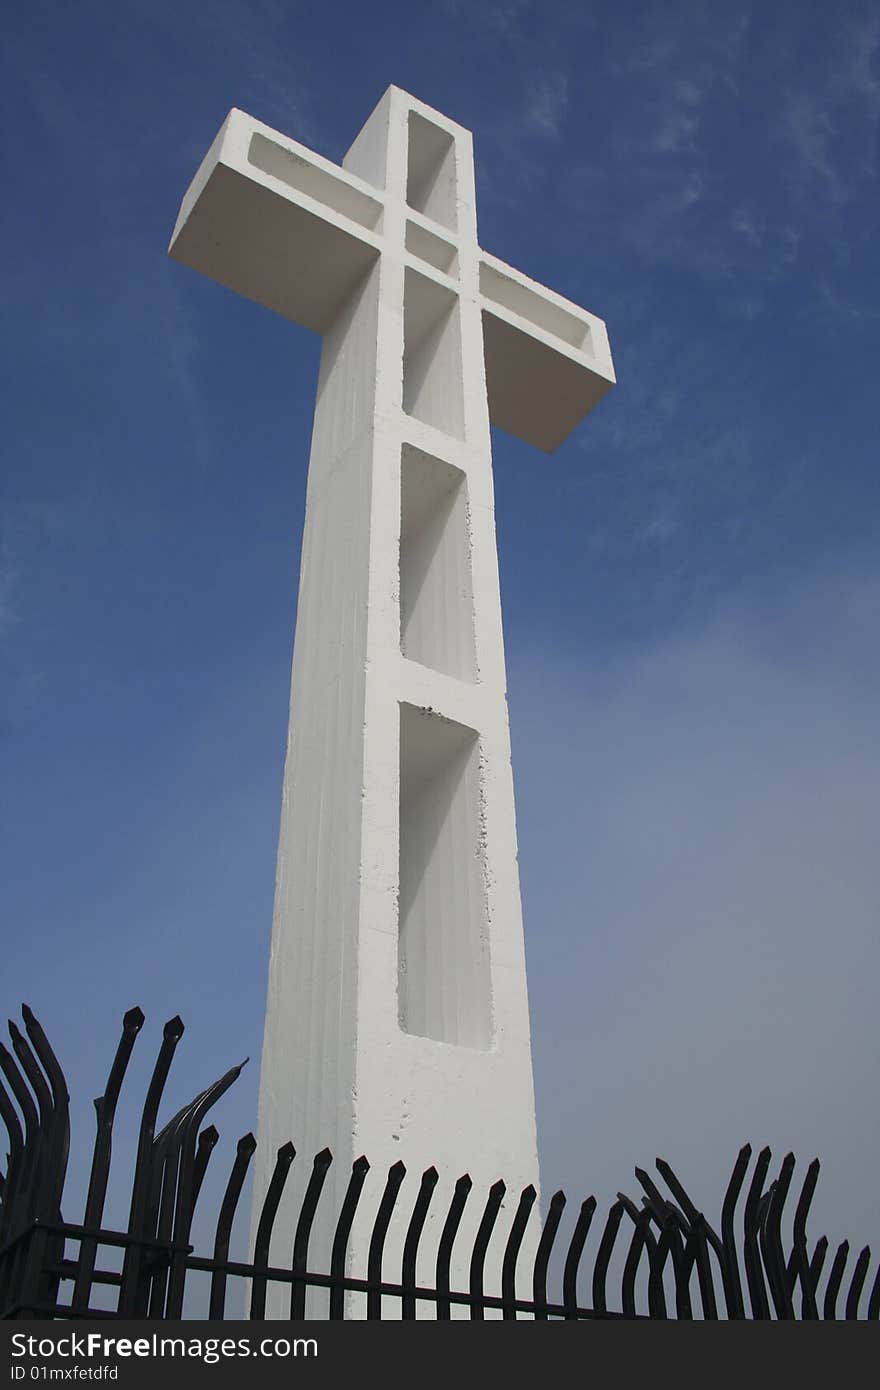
(397, 1021)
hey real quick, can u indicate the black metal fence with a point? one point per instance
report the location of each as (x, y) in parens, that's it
(669, 1261)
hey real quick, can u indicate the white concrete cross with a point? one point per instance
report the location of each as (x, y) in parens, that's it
(397, 1017)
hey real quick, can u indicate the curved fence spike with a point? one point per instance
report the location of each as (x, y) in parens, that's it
(657, 1250)
(46, 1057)
(161, 1211)
(798, 1268)
(299, 1264)
(208, 1140)
(817, 1264)
(857, 1283)
(874, 1299)
(653, 1195)
(751, 1229)
(37, 1081)
(542, 1258)
(243, 1154)
(512, 1249)
(411, 1243)
(573, 1255)
(132, 1292)
(701, 1233)
(699, 1239)
(29, 1169)
(396, 1175)
(58, 1138)
(603, 1256)
(677, 1189)
(733, 1291)
(12, 1207)
(670, 1242)
(172, 1033)
(777, 1271)
(187, 1189)
(9, 1116)
(444, 1248)
(481, 1245)
(105, 1114)
(835, 1278)
(359, 1170)
(640, 1238)
(283, 1159)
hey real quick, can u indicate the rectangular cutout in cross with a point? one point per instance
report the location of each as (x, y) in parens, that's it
(537, 309)
(430, 171)
(308, 177)
(443, 968)
(433, 388)
(436, 250)
(436, 591)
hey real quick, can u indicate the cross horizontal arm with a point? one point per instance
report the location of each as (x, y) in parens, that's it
(548, 362)
(275, 222)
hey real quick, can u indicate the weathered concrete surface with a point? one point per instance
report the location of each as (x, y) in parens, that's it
(397, 1017)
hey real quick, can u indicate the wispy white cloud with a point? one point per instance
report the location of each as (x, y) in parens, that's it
(179, 358)
(29, 526)
(499, 18)
(829, 117)
(9, 579)
(744, 222)
(547, 103)
(274, 79)
(696, 825)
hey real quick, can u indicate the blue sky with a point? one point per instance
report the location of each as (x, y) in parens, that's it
(691, 585)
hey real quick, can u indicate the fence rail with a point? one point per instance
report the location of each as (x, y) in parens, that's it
(669, 1261)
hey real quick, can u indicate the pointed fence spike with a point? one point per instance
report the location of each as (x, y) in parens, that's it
(396, 1175)
(751, 1227)
(134, 1290)
(676, 1188)
(817, 1264)
(641, 1237)
(243, 1154)
(653, 1197)
(283, 1159)
(35, 1077)
(798, 1267)
(206, 1145)
(13, 1180)
(359, 1170)
(857, 1283)
(512, 1249)
(542, 1257)
(105, 1115)
(411, 1243)
(777, 1272)
(603, 1256)
(835, 1278)
(299, 1263)
(874, 1299)
(481, 1245)
(733, 1294)
(573, 1255)
(444, 1249)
